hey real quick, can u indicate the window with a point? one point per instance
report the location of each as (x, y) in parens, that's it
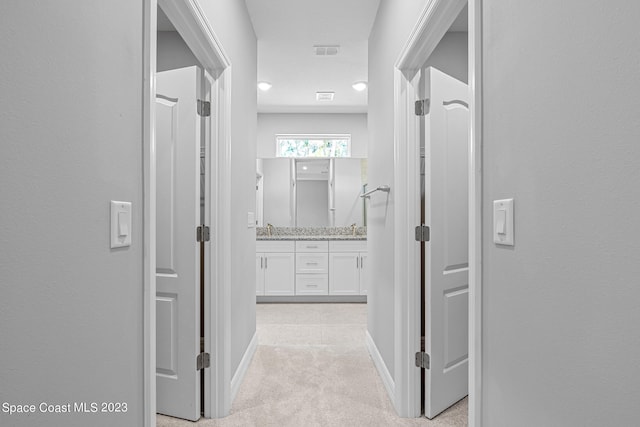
(313, 146)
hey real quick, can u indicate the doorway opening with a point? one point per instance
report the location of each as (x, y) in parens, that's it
(437, 137)
(186, 186)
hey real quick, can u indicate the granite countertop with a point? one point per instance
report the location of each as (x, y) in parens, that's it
(315, 237)
(311, 233)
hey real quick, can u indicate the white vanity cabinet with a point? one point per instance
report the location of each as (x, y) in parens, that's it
(364, 276)
(275, 268)
(347, 267)
(312, 267)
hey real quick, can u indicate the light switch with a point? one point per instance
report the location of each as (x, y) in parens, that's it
(501, 226)
(251, 220)
(120, 224)
(503, 230)
(123, 226)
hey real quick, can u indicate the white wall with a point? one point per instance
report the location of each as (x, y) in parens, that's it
(389, 34)
(230, 21)
(270, 125)
(71, 131)
(173, 52)
(562, 136)
(450, 56)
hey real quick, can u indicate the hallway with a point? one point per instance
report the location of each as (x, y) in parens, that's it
(312, 368)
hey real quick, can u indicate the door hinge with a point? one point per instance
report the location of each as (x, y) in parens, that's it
(203, 360)
(422, 107)
(422, 360)
(202, 233)
(204, 108)
(422, 233)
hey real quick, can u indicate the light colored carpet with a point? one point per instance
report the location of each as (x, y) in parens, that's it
(312, 368)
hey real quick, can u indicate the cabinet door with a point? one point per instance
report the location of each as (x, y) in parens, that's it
(344, 274)
(279, 274)
(364, 276)
(259, 274)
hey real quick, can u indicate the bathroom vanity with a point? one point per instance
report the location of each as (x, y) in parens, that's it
(316, 249)
(311, 264)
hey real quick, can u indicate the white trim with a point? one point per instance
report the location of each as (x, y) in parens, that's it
(149, 214)
(385, 375)
(218, 336)
(194, 28)
(190, 21)
(407, 251)
(435, 20)
(236, 381)
(475, 214)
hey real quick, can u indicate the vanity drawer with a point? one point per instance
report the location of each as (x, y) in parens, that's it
(274, 246)
(312, 284)
(312, 263)
(312, 246)
(348, 246)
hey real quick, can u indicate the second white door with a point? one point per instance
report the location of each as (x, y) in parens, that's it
(447, 253)
(178, 140)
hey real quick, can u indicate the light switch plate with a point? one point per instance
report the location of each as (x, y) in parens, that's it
(120, 224)
(503, 230)
(251, 220)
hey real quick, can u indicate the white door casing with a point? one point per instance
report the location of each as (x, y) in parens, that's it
(446, 133)
(193, 26)
(178, 139)
(434, 21)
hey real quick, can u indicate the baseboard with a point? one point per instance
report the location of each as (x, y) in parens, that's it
(242, 368)
(387, 379)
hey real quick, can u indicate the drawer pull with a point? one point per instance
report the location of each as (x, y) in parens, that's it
(312, 246)
(312, 263)
(312, 285)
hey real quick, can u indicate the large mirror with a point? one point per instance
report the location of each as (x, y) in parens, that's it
(310, 192)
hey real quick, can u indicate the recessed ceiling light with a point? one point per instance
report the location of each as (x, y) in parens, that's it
(304, 168)
(359, 86)
(264, 86)
(324, 96)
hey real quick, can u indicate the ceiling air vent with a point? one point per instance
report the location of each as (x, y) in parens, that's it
(324, 96)
(326, 50)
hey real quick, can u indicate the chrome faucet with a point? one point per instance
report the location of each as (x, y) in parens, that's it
(269, 228)
(353, 229)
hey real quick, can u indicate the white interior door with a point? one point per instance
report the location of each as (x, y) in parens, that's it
(178, 139)
(446, 260)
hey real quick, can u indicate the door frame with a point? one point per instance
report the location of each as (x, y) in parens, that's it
(192, 25)
(434, 21)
